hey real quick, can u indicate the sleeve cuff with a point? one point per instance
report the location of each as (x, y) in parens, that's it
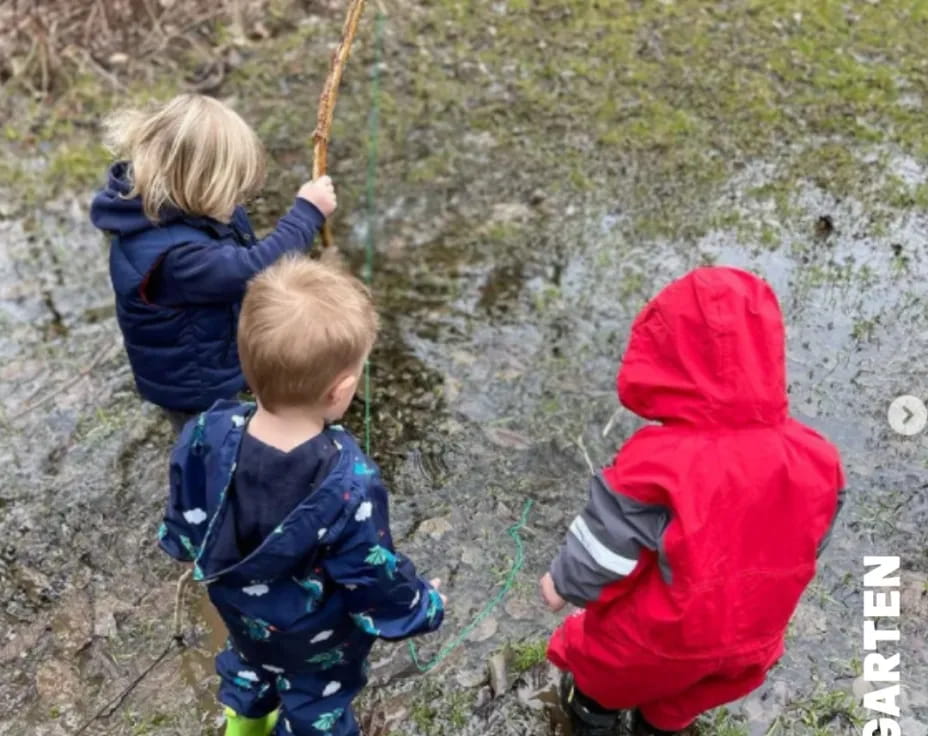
(307, 212)
(559, 585)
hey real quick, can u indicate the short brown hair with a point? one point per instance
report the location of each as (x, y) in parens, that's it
(303, 324)
(193, 152)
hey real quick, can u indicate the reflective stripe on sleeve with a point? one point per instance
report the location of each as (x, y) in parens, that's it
(602, 555)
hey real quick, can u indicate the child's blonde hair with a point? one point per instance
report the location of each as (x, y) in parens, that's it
(303, 324)
(193, 153)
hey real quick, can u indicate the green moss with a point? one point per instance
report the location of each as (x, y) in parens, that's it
(150, 725)
(864, 329)
(429, 169)
(689, 90)
(423, 716)
(77, 167)
(459, 707)
(721, 723)
(66, 133)
(527, 654)
(825, 713)
(684, 91)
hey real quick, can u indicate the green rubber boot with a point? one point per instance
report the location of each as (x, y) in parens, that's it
(237, 725)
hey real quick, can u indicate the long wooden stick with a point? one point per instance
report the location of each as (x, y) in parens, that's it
(327, 99)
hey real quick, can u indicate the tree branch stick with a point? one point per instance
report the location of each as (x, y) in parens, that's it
(327, 99)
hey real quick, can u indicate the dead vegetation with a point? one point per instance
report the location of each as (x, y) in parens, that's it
(45, 44)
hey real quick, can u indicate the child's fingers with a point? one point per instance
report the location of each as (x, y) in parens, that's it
(436, 584)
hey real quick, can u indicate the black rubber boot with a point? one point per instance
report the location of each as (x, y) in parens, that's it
(587, 717)
(640, 727)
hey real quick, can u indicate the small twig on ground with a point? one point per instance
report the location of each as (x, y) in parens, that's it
(328, 96)
(611, 423)
(586, 456)
(36, 36)
(178, 605)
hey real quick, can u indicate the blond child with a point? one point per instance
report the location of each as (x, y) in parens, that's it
(182, 248)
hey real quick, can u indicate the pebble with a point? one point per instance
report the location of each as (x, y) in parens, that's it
(471, 556)
(435, 528)
(471, 678)
(104, 625)
(486, 629)
(507, 438)
(521, 610)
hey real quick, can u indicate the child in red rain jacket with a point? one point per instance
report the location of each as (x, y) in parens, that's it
(698, 541)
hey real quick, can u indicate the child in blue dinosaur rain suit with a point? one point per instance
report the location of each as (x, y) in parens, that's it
(286, 520)
(182, 248)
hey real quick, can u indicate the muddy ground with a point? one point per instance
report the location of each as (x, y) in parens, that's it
(542, 169)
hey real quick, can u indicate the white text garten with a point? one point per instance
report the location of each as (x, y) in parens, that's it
(881, 663)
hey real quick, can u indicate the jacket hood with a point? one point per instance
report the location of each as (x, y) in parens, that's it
(114, 212)
(310, 525)
(708, 349)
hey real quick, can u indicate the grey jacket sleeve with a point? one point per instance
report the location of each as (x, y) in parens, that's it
(827, 538)
(605, 542)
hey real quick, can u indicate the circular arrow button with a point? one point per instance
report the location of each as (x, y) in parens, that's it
(908, 415)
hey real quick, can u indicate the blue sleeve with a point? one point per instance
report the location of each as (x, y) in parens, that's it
(384, 595)
(209, 272)
(183, 528)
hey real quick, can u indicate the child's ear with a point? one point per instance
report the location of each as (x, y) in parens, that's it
(345, 386)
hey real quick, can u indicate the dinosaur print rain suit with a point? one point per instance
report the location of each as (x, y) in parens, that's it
(304, 608)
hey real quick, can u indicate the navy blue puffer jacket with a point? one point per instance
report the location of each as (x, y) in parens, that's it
(179, 286)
